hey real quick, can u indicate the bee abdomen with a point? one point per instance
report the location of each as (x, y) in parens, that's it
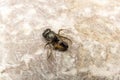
(62, 46)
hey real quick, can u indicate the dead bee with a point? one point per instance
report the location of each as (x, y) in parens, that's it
(56, 40)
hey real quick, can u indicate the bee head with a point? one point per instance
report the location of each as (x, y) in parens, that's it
(48, 34)
(45, 33)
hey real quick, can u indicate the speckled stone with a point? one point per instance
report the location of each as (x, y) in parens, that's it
(92, 25)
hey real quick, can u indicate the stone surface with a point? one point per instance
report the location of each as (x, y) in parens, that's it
(92, 25)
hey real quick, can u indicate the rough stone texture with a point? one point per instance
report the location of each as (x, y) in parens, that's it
(92, 25)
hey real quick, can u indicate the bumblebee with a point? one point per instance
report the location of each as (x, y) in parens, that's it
(55, 40)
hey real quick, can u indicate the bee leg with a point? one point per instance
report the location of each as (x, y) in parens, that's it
(47, 44)
(60, 31)
(66, 39)
(50, 52)
(63, 36)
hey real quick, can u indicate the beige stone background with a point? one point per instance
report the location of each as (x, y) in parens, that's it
(92, 25)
